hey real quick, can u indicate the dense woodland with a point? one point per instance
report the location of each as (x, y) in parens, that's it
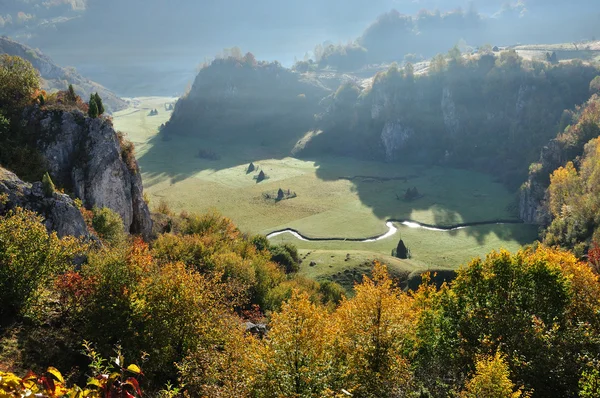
(178, 305)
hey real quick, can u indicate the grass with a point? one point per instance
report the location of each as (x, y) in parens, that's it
(326, 205)
(434, 248)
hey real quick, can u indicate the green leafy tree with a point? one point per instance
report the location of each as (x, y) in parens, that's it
(589, 384)
(99, 104)
(93, 107)
(538, 304)
(19, 81)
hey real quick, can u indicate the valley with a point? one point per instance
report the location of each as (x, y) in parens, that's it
(336, 197)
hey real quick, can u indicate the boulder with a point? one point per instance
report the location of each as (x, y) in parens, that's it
(257, 329)
(58, 210)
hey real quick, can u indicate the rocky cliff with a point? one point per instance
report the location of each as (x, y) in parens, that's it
(88, 158)
(58, 78)
(59, 210)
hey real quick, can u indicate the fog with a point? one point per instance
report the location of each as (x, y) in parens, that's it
(153, 46)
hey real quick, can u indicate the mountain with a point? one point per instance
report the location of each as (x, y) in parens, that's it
(59, 78)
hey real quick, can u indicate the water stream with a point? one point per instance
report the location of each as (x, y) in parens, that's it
(391, 230)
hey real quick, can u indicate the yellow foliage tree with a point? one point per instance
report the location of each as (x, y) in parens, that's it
(564, 184)
(297, 351)
(376, 328)
(491, 380)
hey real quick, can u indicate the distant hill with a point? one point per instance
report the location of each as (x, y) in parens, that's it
(237, 98)
(59, 78)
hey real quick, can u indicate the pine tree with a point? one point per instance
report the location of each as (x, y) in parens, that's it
(72, 97)
(48, 185)
(99, 104)
(93, 107)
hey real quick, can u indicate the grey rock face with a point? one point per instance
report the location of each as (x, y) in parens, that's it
(84, 155)
(449, 112)
(59, 211)
(393, 137)
(532, 207)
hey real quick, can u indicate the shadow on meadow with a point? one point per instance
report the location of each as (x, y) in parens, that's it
(447, 196)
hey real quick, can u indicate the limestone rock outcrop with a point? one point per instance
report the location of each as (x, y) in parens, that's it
(59, 211)
(86, 157)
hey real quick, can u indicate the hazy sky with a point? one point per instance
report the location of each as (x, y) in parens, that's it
(113, 40)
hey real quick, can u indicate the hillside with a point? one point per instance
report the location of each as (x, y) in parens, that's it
(57, 78)
(238, 98)
(489, 112)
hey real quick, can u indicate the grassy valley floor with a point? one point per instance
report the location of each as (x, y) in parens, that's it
(336, 197)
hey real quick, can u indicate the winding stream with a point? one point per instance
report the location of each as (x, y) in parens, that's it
(392, 230)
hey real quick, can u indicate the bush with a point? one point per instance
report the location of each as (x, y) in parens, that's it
(331, 292)
(286, 256)
(30, 257)
(48, 185)
(260, 242)
(108, 225)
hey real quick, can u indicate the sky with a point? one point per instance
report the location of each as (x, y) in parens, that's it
(124, 43)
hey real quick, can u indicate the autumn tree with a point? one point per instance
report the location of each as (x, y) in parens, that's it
(535, 304)
(573, 199)
(297, 351)
(376, 328)
(589, 384)
(490, 380)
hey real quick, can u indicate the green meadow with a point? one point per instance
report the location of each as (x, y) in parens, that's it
(335, 197)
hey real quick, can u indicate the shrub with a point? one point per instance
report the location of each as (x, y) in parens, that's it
(286, 256)
(127, 152)
(48, 185)
(109, 225)
(30, 257)
(331, 292)
(260, 242)
(163, 208)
